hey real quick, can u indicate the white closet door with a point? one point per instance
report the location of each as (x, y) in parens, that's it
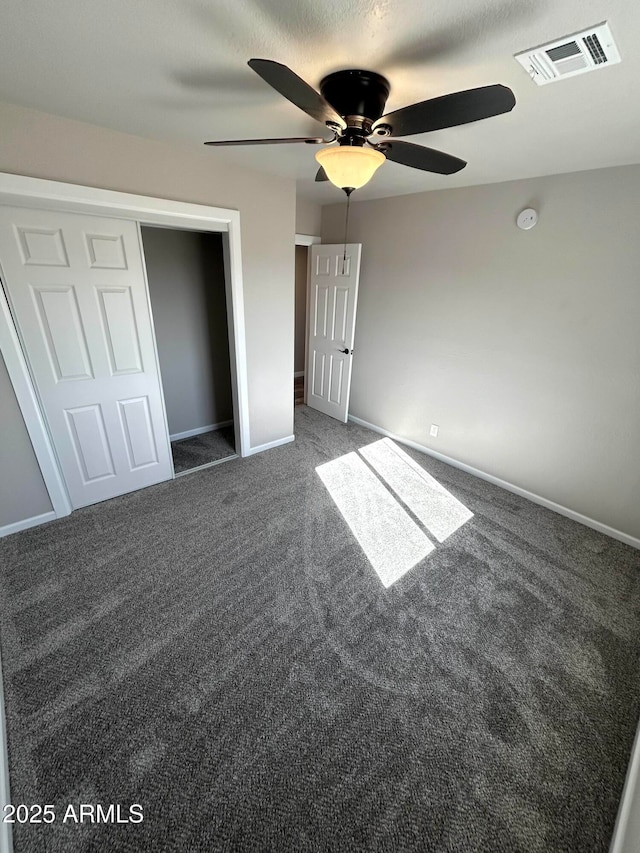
(77, 289)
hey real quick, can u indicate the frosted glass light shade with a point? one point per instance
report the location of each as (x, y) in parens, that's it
(350, 166)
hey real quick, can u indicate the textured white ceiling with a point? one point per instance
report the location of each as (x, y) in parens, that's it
(176, 70)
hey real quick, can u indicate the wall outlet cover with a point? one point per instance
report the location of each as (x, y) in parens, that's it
(433, 432)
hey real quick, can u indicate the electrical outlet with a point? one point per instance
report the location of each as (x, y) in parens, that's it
(433, 432)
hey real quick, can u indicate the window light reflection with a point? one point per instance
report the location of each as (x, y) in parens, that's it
(370, 493)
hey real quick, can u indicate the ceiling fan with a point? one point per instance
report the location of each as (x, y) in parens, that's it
(351, 106)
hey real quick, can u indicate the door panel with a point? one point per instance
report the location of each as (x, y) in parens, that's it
(77, 290)
(334, 292)
(93, 452)
(106, 252)
(42, 247)
(321, 310)
(57, 311)
(340, 314)
(317, 386)
(336, 388)
(138, 432)
(119, 329)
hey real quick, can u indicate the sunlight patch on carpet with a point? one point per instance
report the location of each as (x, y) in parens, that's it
(431, 503)
(391, 540)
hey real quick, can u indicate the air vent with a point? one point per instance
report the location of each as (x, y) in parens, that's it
(576, 54)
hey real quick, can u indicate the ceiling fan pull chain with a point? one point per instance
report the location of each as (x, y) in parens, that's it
(348, 191)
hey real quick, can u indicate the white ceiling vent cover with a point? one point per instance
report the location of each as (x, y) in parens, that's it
(586, 51)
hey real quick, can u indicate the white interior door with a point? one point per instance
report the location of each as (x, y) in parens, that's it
(77, 289)
(333, 297)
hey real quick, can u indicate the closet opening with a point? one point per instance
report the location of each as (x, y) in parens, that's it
(186, 278)
(300, 333)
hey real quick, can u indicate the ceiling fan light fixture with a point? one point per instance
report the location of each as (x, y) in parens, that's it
(350, 167)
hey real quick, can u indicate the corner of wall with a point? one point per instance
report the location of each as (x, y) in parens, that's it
(308, 217)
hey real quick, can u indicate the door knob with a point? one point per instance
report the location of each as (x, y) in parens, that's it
(346, 351)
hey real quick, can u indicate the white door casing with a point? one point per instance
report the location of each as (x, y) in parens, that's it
(77, 290)
(333, 297)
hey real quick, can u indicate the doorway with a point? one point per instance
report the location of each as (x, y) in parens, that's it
(303, 243)
(301, 275)
(186, 278)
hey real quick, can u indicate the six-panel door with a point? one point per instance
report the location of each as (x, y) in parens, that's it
(333, 294)
(77, 290)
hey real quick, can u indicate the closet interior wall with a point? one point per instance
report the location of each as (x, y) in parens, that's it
(302, 260)
(185, 271)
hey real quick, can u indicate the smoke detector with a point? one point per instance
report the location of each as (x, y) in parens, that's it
(588, 50)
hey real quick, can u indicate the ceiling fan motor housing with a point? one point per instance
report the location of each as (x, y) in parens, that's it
(359, 96)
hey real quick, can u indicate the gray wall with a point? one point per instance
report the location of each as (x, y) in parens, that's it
(22, 491)
(185, 271)
(45, 146)
(308, 217)
(524, 347)
(302, 254)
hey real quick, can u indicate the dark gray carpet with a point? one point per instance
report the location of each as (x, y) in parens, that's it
(201, 449)
(219, 650)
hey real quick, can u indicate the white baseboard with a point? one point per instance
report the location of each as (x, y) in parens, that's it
(6, 839)
(199, 430)
(537, 499)
(627, 829)
(298, 374)
(17, 526)
(269, 445)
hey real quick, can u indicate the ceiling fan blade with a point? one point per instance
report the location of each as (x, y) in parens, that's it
(449, 110)
(309, 140)
(419, 157)
(294, 89)
(321, 175)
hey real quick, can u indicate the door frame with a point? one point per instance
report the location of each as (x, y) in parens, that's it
(307, 240)
(22, 191)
